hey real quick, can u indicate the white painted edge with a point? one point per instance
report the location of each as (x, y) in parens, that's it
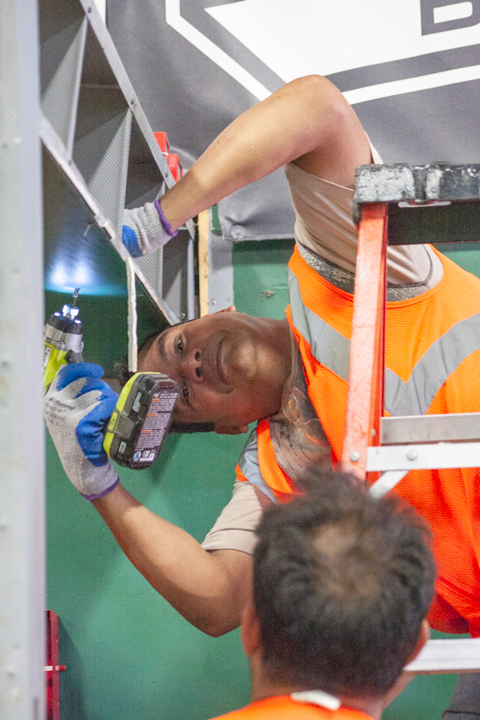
(458, 655)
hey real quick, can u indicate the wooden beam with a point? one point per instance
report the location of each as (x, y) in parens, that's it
(203, 264)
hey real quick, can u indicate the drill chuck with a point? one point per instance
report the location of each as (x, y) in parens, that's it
(64, 333)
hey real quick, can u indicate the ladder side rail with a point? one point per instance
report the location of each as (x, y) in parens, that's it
(366, 374)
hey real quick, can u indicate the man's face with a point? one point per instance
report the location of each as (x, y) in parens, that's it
(230, 367)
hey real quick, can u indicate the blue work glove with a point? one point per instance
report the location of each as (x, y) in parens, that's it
(77, 406)
(145, 229)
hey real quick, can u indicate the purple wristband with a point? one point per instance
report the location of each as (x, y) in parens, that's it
(104, 492)
(165, 224)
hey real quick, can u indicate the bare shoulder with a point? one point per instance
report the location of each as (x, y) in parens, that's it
(341, 142)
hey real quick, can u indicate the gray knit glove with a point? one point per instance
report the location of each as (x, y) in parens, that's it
(145, 229)
(77, 406)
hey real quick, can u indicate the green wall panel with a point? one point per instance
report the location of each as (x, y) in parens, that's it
(128, 653)
(467, 256)
(260, 277)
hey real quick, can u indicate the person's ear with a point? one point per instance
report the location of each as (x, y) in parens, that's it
(250, 630)
(422, 639)
(230, 429)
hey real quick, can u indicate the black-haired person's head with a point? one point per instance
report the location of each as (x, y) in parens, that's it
(231, 368)
(342, 583)
(123, 375)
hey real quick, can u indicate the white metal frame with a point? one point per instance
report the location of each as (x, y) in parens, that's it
(22, 544)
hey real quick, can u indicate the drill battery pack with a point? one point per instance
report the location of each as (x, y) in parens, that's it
(139, 424)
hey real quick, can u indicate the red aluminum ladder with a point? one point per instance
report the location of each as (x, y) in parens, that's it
(386, 202)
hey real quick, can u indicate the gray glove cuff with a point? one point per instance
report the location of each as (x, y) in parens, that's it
(151, 228)
(110, 476)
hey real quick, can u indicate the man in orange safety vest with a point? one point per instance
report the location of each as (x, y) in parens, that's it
(290, 375)
(341, 586)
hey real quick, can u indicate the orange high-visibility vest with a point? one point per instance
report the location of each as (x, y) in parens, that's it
(432, 365)
(282, 707)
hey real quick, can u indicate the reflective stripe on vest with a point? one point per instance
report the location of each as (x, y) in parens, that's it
(332, 350)
(414, 397)
(248, 463)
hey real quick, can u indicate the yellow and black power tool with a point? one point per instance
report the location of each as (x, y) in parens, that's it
(63, 339)
(140, 421)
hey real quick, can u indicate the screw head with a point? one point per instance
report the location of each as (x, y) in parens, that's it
(412, 455)
(354, 456)
(237, 232)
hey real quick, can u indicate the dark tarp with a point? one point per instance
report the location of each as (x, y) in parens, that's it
(411, 70)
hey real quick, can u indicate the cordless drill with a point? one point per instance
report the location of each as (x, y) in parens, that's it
(63, 338)
(135, 432)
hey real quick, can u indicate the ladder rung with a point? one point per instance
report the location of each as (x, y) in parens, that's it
(423, 457)
(444, 656)
(430, 428)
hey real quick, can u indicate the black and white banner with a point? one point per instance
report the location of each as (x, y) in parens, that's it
(411, 69)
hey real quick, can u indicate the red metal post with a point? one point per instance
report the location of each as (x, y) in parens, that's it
(52, 668)
(366, 370)
(176, 168)
(163, 143)
(173, 161)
